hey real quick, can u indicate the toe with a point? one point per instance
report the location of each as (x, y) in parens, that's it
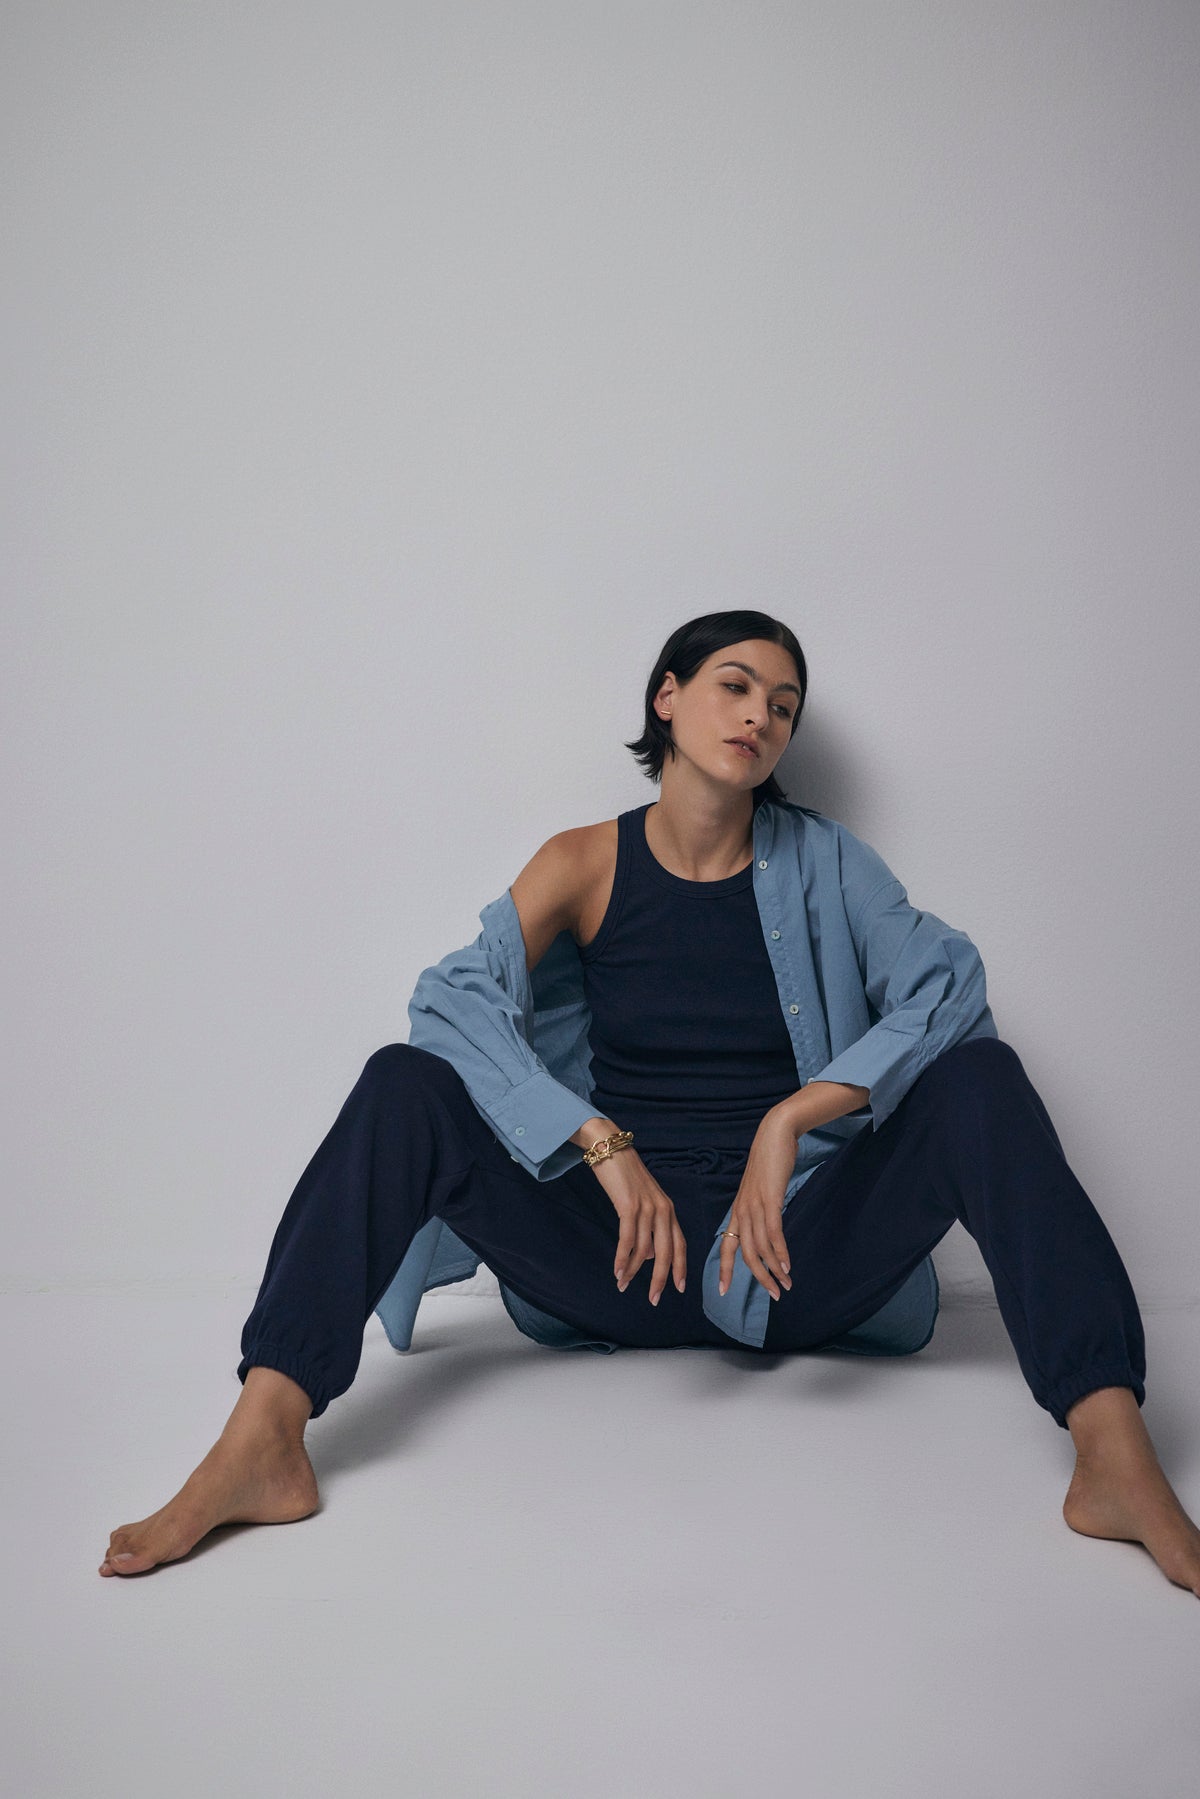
(127, 1561)
(124, 1554)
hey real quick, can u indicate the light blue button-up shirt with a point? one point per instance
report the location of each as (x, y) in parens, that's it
(871, 990)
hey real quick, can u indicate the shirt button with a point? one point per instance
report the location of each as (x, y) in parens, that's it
(520, 1131)
(762, 865)
(774, 933)
(793, 1008)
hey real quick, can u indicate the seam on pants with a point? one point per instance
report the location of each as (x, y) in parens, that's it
(1013, 1290)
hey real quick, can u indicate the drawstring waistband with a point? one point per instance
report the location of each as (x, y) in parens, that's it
(703, 1159)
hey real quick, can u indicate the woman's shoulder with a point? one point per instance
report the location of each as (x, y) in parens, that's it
(559, 887)
(790, 815)
(576, 843)
(860, 868)
(579, 849)
(587, 859)
(825, 840)
(790, 820)
(593, 842)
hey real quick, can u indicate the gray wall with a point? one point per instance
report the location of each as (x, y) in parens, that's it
(389, 380)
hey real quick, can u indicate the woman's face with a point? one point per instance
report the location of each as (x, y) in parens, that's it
(747, 690)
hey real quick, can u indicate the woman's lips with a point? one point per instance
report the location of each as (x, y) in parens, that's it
(745, 749)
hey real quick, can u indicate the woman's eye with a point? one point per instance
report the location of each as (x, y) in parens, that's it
(740, 687)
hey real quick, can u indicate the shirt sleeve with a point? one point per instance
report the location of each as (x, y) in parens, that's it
(462, 1011)
(924, 982)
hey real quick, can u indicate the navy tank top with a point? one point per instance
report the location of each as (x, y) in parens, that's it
(689, 1046)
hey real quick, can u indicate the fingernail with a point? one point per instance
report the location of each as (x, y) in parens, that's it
(721, 1288)
(787, 1267)
(654, 1298)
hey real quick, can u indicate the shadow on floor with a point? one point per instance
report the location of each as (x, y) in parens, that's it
(381, 1416)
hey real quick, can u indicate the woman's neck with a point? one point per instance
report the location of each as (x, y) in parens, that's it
(702, 839)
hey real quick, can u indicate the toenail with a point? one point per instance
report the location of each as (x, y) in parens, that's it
(126, 1555)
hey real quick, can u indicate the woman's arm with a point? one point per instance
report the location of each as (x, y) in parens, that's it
(550, 890)
(474, 1009)
(820, 1102)
(923, 979)
(549, 894)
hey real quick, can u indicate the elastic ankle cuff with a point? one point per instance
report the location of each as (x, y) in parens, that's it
(285, 1361)
(1059, 1402)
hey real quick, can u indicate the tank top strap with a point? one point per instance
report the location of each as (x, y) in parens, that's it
(616, 899)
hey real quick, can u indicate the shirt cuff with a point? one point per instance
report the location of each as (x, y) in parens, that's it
(536, 1121)
(885, 1062)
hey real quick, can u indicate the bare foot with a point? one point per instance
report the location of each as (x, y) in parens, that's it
(1118, 1490)
(258, 1472)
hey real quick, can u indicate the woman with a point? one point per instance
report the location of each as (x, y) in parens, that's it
(705, 1078)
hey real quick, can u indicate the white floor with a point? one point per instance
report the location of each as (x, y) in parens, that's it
(539, 1572)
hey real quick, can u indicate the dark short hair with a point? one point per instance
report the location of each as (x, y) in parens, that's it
(683, 653)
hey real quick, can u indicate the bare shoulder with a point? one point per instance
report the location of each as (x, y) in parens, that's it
(561, 884)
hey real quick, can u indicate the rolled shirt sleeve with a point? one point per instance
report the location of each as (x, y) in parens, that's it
(462, 1011)
(923, 979)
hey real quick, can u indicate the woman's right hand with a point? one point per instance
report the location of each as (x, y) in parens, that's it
(649, 1226)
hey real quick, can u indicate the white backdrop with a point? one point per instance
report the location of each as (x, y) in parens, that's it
(389, 380)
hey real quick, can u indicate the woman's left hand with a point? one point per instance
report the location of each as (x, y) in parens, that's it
(757, 1214)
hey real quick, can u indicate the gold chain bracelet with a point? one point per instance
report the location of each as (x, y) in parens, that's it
(605, 1147)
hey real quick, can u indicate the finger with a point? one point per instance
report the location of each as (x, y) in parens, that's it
(780, 1250)
(626, 1238)
(642, 1250)
(663, 1250)
(754, 1259)
(679, 1259)
(645, 1248)
(766, 1250)
(728, 1247)
(768, 1235)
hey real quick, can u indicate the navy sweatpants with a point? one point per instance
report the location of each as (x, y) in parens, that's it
(971, 1140)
